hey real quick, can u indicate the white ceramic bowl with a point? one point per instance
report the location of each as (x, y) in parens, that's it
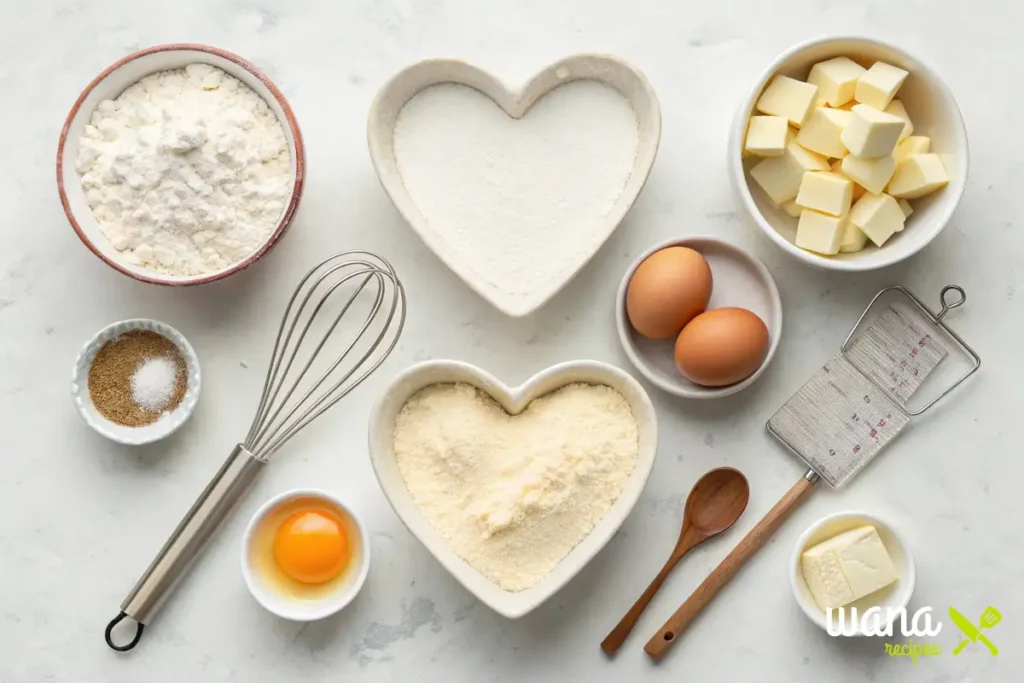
(111, 83)
(134, 436)
(514, 400)
(895, 596)
(739, 279)
(276, 603)
(626, 79)
(934, 112)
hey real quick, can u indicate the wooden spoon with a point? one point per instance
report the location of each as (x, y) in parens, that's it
(715, 502)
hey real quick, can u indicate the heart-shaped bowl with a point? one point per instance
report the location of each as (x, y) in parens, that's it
(405, 85)
(514, 400)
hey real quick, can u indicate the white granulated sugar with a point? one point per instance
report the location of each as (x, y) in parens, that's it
(514, 495)
(153, 383)
(520, 201)
(187, 171)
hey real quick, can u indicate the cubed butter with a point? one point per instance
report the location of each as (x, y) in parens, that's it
(826, 192)
(915, 144)
(918, 175)
(854, 239)
(872, 174)
(836, 80)
(789, 98)
(878, 85)
(878, 216)
(847, 567)
(858, 190)
(822, 130)
(871, 133)
(897, 109)
(767, 136)
(820, 232)
(780, 177)
(905, 207)
(792, 208)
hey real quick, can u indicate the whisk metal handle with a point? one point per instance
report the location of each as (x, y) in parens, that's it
(226, 488)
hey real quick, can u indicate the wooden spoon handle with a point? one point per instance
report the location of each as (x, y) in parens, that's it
(661, 642)
(613, 641)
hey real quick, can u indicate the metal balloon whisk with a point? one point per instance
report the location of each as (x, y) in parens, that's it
(341, 323)
(279, 417)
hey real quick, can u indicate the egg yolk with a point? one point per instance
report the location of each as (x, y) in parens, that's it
(311, 546)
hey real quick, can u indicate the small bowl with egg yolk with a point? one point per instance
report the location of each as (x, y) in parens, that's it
(305, 555)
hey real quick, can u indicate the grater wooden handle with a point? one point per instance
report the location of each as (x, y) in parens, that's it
(661, 642)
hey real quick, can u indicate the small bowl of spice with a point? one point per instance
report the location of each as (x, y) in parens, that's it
(136, 381)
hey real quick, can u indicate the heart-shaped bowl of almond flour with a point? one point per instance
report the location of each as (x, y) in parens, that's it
(514, 400)
(515, 189)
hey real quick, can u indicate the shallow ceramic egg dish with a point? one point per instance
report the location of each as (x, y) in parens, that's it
(294, 569)
(932, 109)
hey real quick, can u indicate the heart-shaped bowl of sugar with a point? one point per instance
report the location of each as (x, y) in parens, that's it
(515, 189)
(513, 489)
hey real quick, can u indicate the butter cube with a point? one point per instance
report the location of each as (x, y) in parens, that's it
(767, 136)
(858, 190)
(878, 216)
(820, 232)
(897, 109)
(826, 192)
(847, 567)
(906, 208)
(780, 177)
(792, 208)
(915, 144)
(789, 98)
(918, 175)
(878, 85)
(822, 130)
(871, 133)
(836, 80)
(872, 174)
(854, 239)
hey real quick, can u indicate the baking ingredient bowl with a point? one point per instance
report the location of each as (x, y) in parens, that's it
(934, 112)
(163, 427)
(739, 279)
(511, 604)
(270, 587)
(108, 86)
(894, 596)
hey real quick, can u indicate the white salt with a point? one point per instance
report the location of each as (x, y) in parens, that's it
(153, 383)
(521, 202)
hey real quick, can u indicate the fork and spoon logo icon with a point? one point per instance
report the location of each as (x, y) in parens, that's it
(989, 618)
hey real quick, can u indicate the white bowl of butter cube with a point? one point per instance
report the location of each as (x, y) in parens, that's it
(849, 153)
(852, 560)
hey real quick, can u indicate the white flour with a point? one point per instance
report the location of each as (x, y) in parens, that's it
(513, 495)
(187, 171)
(520, 201)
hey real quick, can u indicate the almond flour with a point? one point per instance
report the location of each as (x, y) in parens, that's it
(514, 495)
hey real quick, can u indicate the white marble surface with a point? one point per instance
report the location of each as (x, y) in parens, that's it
(82, 517)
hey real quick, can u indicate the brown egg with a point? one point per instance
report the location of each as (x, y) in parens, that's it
(667, 290)
(721, 346)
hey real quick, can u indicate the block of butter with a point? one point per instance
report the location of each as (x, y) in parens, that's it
(847, 567)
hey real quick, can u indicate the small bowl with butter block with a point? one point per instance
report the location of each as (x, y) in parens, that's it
(852, 560)
(849, 153)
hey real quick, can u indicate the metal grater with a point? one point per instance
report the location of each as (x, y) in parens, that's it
(842, 418)
(857, 403)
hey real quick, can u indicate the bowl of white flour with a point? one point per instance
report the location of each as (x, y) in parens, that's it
(180, 164)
